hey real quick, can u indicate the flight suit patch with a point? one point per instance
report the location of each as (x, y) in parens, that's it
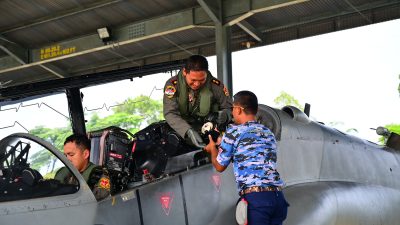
(190, 97)
(170, 91)
(226, 92)
(215, 81)
(104, 183)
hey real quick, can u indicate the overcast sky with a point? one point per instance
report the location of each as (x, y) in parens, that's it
(350, 77)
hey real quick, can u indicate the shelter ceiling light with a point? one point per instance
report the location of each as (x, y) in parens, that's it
(248, 44)
(104, 34)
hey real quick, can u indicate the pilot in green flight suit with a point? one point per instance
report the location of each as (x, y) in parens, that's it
(95, 176)
(77, 150)
(192, 95)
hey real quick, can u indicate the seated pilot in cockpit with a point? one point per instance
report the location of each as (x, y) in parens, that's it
(77, 150)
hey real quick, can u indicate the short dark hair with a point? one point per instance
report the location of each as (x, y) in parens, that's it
(81, 141)
(196, 63)
(247, 100)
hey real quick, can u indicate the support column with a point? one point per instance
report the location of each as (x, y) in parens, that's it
(214, 9)
(224, 54)
(76, 111)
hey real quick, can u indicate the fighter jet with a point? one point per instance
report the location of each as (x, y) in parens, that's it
(331, 178)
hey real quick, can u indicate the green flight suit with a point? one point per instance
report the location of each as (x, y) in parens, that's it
(96, 177)
(181, 118)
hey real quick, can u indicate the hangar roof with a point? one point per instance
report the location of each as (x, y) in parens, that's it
(46, 45)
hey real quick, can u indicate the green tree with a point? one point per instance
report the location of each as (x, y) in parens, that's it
(132, 115)
(122, 119)
(395, 128)
(149, 109)
(54, 136)
(285, 99)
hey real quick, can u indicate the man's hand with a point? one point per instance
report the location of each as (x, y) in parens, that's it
(224, 117)
(195, 138)
(210, 146)
(212, 149)
(219, 140)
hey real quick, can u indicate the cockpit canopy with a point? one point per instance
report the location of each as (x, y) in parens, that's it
(27, 170)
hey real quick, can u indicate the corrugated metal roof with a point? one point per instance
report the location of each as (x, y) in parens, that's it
(53, 21)
(61, 35)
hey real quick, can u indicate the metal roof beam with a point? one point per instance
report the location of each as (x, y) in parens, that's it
(44, 87)
(128, 34)
(12, 49)
(213, 9)
(60, 15)
(138, 31)
(134, 59)
(20, 55)
(7, 62)
(54, 70)
(252, 31)
(247, 8)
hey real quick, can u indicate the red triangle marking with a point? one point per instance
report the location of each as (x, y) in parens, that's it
(216, 178)
(166, 200)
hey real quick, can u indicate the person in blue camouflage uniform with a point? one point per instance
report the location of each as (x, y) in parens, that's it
(252, 148)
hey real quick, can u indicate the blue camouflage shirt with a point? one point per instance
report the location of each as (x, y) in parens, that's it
(252, 147)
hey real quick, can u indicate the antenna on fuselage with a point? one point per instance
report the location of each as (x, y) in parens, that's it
(307, 108)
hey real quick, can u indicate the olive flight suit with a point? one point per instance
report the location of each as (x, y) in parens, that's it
(96, 177)
(185, 108)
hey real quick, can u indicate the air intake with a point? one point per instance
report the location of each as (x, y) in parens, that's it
(296, 114)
